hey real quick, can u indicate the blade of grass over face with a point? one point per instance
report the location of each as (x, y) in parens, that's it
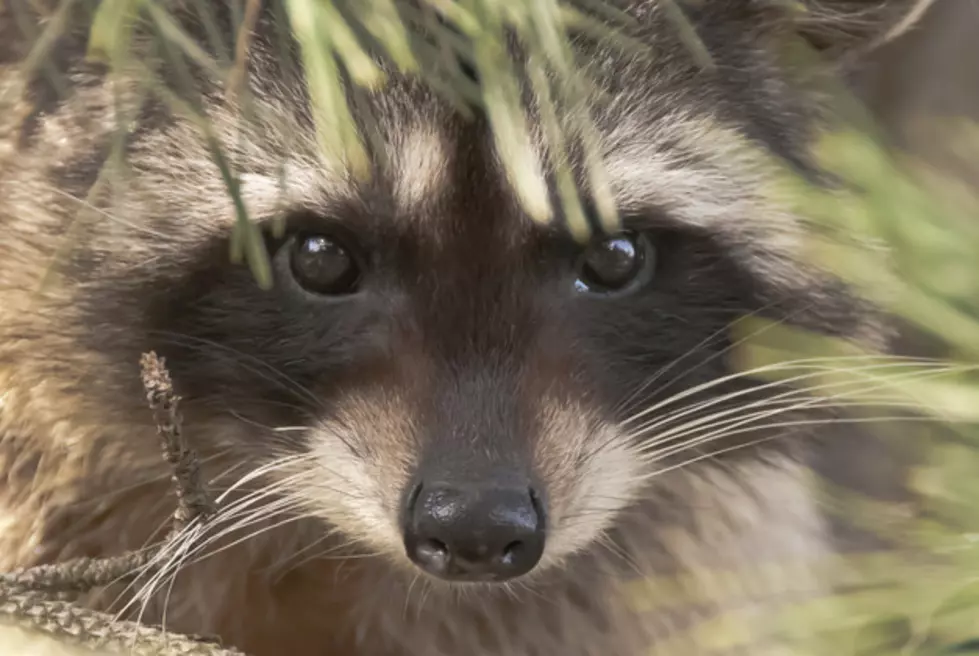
(502, 100)
(112, 30)
(575, 91)
(575, 218)
(246, 239)
(688, 34)
(320, 31)
(43, 41)
(381, 19)
(249, 238)
(236, 79)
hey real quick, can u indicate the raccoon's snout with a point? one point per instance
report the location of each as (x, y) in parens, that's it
(473, 532)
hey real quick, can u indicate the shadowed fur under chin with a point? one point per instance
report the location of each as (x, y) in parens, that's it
(472, 351)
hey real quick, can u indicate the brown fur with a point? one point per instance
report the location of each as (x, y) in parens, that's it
(487, 364)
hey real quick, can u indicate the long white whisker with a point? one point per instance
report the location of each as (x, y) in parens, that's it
(255, 515)
(166, 602)
(258, 472)
(808, 404)
(145, 592)
(659, 374)
(803, 392)
(237, 510)
(721, 428)
(677, 413)
(801, 363)
(768, 438)
(290, 518)
(182, 551)
(246, 361)
(170, 555)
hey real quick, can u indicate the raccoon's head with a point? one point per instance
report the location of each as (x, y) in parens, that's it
(433, 373)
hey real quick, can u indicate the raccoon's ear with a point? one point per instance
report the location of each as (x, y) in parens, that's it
(840, 28)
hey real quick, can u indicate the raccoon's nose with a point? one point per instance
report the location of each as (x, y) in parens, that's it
(474, 533)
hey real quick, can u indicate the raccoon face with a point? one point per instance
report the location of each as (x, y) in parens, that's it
(437, 376)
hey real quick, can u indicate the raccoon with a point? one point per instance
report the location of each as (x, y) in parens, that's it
(446, 428)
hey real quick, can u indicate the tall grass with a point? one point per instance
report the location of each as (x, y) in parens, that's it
(906, 236)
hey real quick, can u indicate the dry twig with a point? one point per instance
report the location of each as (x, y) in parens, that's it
(192, 497)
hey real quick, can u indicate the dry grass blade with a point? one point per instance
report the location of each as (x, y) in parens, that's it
(237, 77)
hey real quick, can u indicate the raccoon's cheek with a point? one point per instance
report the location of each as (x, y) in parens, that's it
(592, 471)
(352, 488)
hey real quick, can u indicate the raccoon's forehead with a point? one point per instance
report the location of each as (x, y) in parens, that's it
(664, 158)
(678, 143)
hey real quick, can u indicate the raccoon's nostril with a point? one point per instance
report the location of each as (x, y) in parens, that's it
(473, 533)
(433, 552)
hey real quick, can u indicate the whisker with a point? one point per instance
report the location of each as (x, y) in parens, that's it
(144, 593)
(243, 512)
(244, 516)
(257, 515)
(166, 603)
(112, 217)
(812, 363)
(328, 554)
(181, 558)
(740, 421)
(664, 370)
(268, 372)
(153, 564)
(792, 424)
(427, 588)
(258, 472)
(803, 392)
(810, 403)
(178, 544)
(721, 428)
(272, 429)
(414, 580)
(290, 519)
(807, 362)
(619, 551)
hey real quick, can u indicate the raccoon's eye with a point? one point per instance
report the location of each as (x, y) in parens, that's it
(323, 265)
(615, 264)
